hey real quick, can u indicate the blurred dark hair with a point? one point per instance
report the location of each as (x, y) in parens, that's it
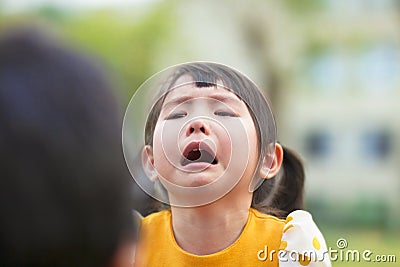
(277, 196)
(65, 190)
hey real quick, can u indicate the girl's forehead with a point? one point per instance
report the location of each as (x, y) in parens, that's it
(191, 91)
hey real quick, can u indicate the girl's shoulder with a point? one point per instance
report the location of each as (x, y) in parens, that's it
(157, 217)
(264, 216)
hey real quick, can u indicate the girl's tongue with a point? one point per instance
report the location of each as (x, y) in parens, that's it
(199, 155)
(197, 152)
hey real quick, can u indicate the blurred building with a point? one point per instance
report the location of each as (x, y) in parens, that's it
(342, 109)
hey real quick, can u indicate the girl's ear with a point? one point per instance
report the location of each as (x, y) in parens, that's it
(148, 163)
(268, 169)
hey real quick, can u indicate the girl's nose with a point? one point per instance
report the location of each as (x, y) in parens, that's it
(198, 126)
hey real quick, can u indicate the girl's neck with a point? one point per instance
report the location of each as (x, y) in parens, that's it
(211, 228)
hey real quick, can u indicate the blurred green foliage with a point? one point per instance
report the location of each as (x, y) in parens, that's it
(376, 240)
(303, 7)
(128, 46)
(363, 211)
(125, 41)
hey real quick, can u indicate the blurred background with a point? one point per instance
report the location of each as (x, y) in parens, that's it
(331, 69)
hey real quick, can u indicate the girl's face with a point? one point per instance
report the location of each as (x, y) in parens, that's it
(203, 134)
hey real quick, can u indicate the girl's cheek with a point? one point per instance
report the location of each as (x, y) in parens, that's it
(242, 137)
(165, 143)
(224, 136)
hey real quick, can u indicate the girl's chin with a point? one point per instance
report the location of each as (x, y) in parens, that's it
(195, 180)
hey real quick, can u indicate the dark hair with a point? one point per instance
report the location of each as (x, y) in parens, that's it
(65, 190)
(277, 196)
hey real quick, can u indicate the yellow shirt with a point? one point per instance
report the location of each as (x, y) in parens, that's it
(261, 235)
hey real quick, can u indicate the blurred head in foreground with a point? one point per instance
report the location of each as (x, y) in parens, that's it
(64, 188)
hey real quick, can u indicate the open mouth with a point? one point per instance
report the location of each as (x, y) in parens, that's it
(197, 152)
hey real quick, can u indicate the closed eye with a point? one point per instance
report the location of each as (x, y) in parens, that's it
(174, 116)
(225, 114)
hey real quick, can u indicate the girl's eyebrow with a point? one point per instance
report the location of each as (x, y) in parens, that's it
(176, 101)
(223, 98)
